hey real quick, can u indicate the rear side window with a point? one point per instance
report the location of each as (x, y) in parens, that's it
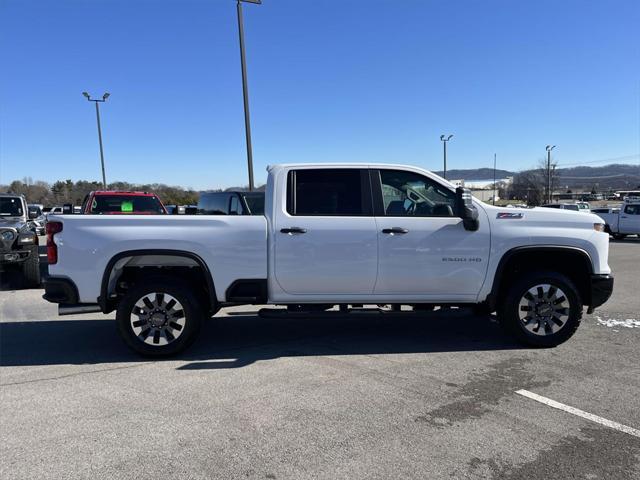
(213, 204)
(125, 204)
(328, 192)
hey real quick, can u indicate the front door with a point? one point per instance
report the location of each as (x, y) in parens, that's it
(424, 248)
(325, 239)
(630, 219)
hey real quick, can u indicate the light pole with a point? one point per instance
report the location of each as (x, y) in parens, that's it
(245, 91)
(97, 101)
(494, 178)
(445, 139)
(549, 196)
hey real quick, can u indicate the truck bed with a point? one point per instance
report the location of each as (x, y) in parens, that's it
(88, 242)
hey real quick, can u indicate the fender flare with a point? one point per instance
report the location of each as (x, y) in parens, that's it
(103, 299)
(509, 254)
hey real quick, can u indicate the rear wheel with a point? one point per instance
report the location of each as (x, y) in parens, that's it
(541, 309)
(31, 268)
(159, 318)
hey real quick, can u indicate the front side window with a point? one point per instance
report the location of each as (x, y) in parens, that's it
(410, 194)
(329, 192)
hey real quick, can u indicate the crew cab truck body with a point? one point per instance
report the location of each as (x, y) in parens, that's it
(622, 221)
(336, 234)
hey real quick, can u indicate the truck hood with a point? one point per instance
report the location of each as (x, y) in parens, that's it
(540, 216)
(16, 223)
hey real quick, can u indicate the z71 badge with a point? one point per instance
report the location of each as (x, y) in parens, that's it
(509, 215)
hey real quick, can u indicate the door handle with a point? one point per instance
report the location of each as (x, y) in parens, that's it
(292, 230)
(395, 230)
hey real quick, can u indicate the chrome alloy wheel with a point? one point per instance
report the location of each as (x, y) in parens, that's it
(544, 309)
(157, 319)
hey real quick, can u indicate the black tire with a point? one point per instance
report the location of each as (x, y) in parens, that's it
(31, 269)
(510, 309)
(193, 313)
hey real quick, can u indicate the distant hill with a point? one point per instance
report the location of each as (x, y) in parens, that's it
(476, 174)
(607, 177)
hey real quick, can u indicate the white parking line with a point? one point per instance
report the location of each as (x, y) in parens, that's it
(589, 416)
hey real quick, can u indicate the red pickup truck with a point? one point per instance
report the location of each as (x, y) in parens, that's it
(105, 202)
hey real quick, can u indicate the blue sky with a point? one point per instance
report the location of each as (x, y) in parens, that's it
(329, 80)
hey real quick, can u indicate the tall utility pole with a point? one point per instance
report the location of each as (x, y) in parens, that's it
(549, 195)
(494, 178)
(445, 139)
(97, 101)
(245, 91)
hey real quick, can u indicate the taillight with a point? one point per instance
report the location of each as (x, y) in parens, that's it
(52, 249)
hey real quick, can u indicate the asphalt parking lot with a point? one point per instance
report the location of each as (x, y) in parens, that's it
(367, 396)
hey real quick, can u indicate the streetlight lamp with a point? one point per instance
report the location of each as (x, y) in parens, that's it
(445, 139)
(97, 101)
(245, 90)
(549, 148)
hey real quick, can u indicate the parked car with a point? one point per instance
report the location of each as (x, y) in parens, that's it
(576, 207)
(52, 210)
(38, 218)
(231, 203)
(346, 234)
(622, 221)
(106, 202)
(18, 238)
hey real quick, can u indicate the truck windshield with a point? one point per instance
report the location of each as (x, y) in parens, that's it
(11, 207)
(255, 202)
(126, 204)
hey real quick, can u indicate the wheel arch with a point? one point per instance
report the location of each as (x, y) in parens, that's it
(575, 263)
(105, 301)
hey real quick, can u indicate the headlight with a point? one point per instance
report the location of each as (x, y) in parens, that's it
(8, 235)
(27, 237)
(598, 227)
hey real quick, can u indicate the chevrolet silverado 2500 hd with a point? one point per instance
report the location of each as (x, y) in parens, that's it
(336, 234)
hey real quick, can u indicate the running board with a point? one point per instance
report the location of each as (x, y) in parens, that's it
(75, 309)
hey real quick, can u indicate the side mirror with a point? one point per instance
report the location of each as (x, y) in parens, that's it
(67, 209)
(466, 210)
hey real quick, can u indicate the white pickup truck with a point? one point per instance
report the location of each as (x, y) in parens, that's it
(333, 234)
(622, 221)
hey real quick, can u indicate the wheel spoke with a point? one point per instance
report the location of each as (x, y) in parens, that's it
(559, 300)
(551, 294)
(159, 299)
(175, 326)
(156, 336)
(170, 304)
(540, 292)
(178, 314)
(148, 303)
(139, 323)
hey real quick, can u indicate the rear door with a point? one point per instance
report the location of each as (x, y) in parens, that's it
(424, 248)
(325, 235)
(630, 219)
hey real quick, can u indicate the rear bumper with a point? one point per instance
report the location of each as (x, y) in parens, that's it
(601, 290)
(60, 290)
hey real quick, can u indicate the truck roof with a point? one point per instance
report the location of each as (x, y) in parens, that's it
(123, 192)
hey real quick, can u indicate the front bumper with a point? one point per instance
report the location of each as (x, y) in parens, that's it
(14, 257)
(601, 290)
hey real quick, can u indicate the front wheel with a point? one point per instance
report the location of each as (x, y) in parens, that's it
(541, 309)
(159, 318)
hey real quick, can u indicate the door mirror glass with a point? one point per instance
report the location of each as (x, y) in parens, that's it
(466, 209)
